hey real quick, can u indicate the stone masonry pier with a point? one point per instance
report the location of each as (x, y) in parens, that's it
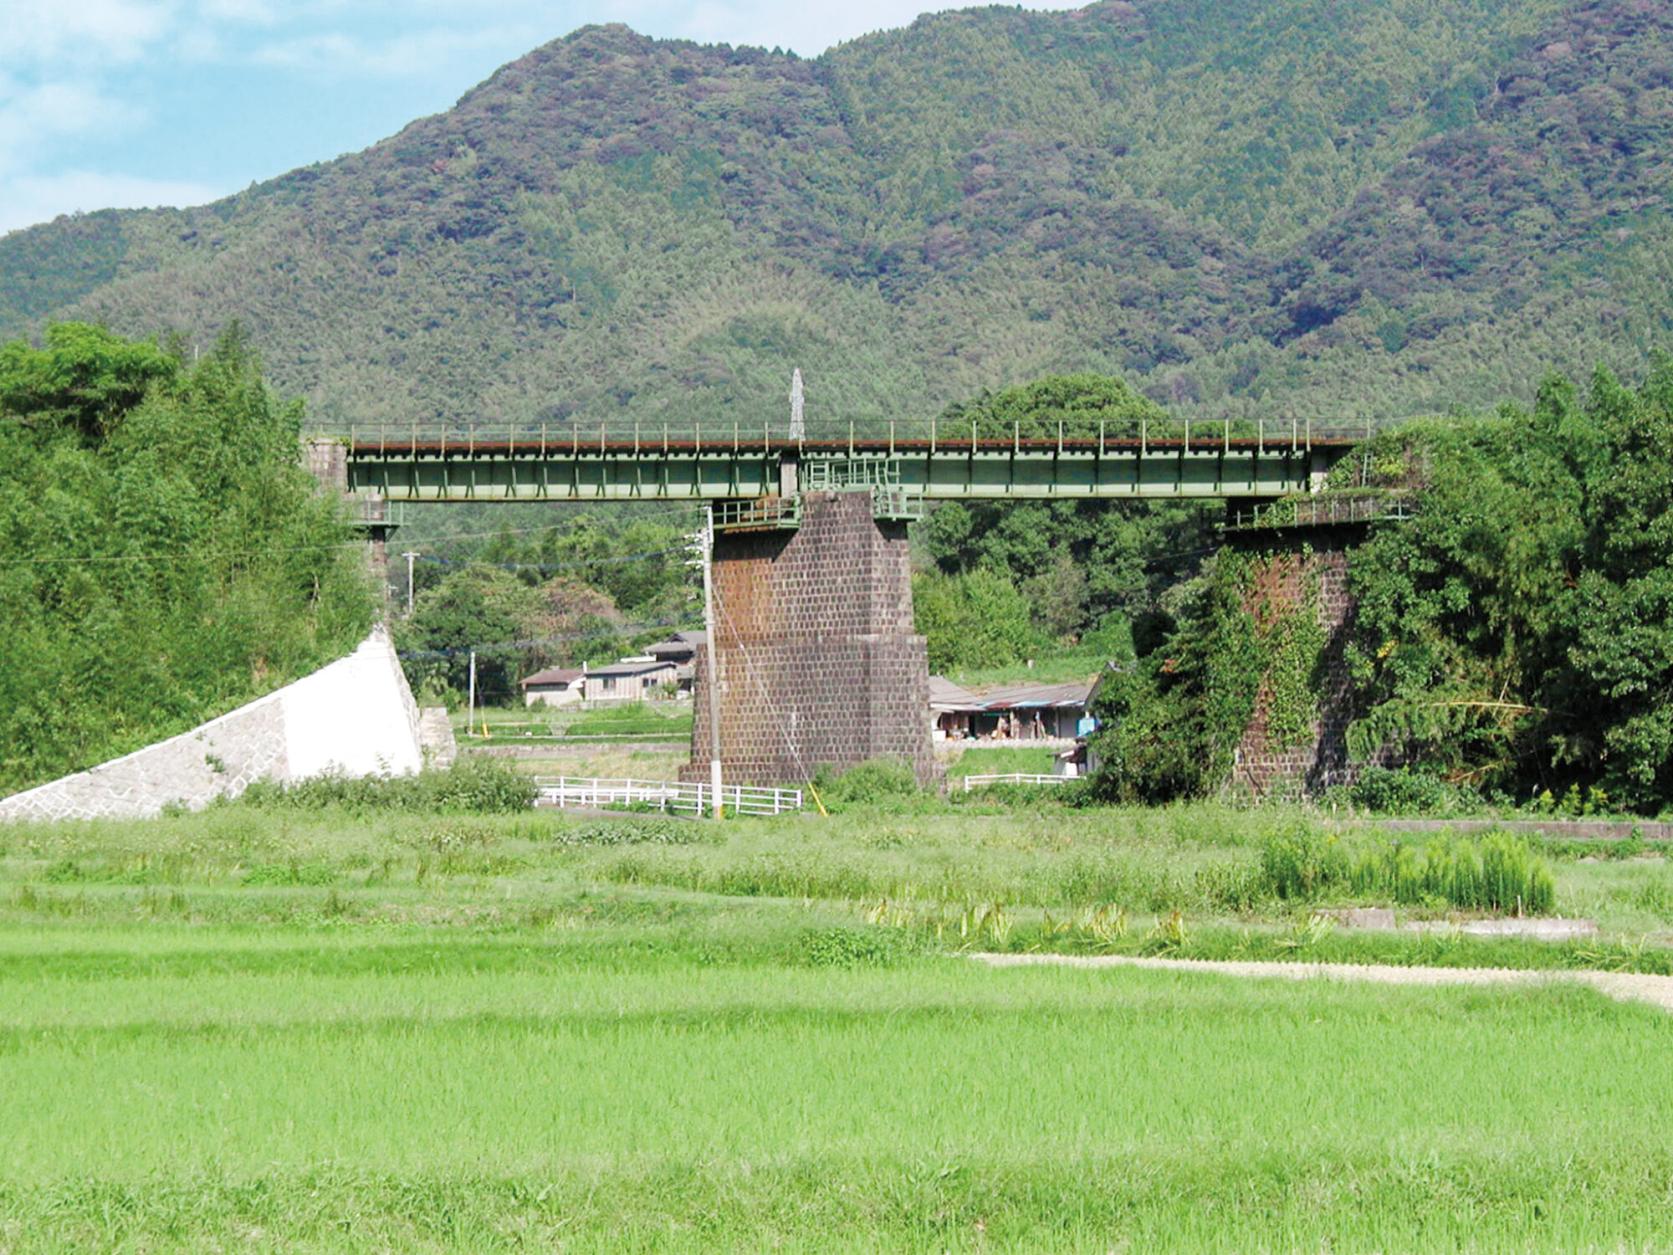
(819, 664)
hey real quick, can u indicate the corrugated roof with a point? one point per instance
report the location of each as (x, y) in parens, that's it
(1012, 696)
(630, 668)
(553, 675)
(947, 696)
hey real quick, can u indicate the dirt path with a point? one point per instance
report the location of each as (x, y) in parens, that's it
(1657, 990)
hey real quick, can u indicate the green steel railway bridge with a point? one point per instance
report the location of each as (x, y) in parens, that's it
(904, 464)
(814, 656)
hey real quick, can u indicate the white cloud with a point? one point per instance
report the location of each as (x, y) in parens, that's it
(63, 32)
(40, 198)
(418, 53)
(249, 12)
(33, 115)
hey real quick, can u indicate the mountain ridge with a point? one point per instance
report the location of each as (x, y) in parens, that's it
(1245, 207)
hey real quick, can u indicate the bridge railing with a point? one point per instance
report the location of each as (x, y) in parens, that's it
(870, 436)
(759, 513)
(1323, 510)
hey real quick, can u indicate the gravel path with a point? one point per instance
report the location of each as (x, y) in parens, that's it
(1628, 986)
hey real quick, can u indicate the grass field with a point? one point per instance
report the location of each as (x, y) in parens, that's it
(984, 760)
(609, 760)
(668, 720)
(268, 1029)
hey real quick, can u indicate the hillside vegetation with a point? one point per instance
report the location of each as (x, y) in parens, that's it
(167, 555)
(1254, 206)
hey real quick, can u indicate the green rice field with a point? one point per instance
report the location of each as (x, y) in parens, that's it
(267, 1029)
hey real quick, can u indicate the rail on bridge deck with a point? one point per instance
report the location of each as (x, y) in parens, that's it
(935, 460)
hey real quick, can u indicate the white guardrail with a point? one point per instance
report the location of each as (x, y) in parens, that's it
(1015, 777)
(665, 795)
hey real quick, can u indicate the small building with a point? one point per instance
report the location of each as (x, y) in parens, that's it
(681, 650)
(953, 710)
(1011, 712)
(555, 686)
(631, 680)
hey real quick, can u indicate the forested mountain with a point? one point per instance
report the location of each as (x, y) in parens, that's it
(1243, 206)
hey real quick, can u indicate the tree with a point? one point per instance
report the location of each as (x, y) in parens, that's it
(85, 377)
(167, 556)
(1076, 404)
(1515, 635)
(477, 608)
(974, 620)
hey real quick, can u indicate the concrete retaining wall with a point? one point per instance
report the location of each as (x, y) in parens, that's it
(355, 717)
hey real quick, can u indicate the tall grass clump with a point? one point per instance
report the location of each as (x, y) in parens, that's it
(1301, 861)
(1408, 791)
(1495, 872)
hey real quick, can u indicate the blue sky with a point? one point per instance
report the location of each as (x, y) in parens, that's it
(125, 103)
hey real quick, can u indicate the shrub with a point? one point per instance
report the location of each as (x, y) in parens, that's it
(290, 875)
(871, 783)
(852, 947)
(1300, 861)
(1404, 791)
(470, 785)
(636, 832)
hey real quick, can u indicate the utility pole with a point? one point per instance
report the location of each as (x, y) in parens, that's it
(409, 556)
(714, 658)
(470, 701)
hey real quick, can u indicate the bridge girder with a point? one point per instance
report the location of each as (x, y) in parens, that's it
(1037, 469)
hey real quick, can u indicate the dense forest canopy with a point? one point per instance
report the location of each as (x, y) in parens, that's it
(1266, 207)
(167, 556)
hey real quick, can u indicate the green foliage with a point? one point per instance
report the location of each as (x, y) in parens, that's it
(1496, 872)
(880, 783)
(84, 378)
(1293, 643)
(167, 555)
(542, 590)
(472, 785)
(609, 832)
(853, 947)
(977, 619)
(1171, 722)
(1081, 565)
(1407, 791)
(1302, 861)
(476, 606)
(1073, 405)
(1516, 634)
(632, 719)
